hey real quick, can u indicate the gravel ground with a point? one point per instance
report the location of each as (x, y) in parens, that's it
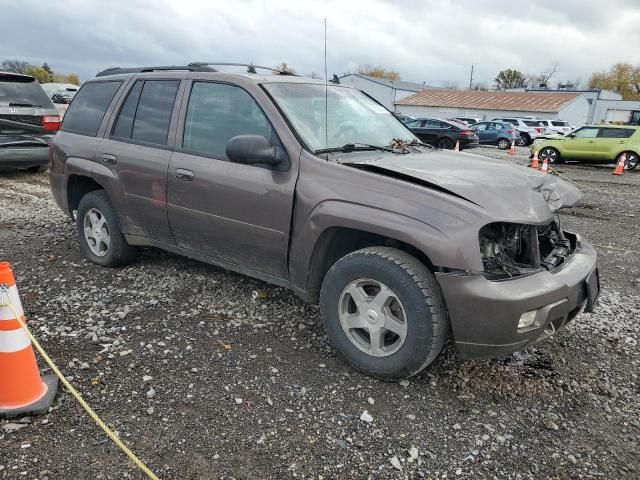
(202, 381)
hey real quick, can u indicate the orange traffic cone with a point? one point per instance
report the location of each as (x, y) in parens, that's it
(545, 166)
(457, 147)
(512, 149)
(534, 161)
(22, 391)
(620, 165)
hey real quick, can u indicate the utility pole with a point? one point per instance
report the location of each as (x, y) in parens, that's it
(471, 78)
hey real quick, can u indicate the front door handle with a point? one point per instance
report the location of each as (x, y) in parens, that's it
(110, 159)
(184, 175)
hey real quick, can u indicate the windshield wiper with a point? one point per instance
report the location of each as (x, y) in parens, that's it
(353, 147)
(18, 104)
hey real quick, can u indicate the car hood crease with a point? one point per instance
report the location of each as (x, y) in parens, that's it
(506, 192)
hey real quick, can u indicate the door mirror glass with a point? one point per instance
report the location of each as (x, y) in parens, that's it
(253, 150)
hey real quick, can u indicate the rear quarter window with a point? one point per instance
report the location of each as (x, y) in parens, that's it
(88, 107)
(532, 123)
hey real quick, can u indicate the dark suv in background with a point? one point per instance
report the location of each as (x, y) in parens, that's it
(398, 242)
(28, 120)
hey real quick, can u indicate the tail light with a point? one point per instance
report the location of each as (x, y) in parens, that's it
(510, 132)
(466, 133)
(51, 123)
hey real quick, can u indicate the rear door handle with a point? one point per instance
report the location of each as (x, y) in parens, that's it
(110, 159)
(184, 175)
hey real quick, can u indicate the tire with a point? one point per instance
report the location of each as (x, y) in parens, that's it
(116, 251)
(525, 140)
(414, 297)
(38, 168)
(551, 154)
(632, 160)
(503, 144)
(445, 143)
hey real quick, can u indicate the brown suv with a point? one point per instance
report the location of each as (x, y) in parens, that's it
(400, 243)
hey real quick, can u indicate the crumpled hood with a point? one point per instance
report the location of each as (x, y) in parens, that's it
(507, 192)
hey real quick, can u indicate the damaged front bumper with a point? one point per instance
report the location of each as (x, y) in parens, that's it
(485, 313)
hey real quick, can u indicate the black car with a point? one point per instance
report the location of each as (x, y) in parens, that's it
(443, 133)
(28, 120)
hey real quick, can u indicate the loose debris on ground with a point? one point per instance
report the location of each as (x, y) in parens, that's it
(204, 381)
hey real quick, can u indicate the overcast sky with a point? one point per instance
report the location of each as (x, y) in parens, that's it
(426, 41)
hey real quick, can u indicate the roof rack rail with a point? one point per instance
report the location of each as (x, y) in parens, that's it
(251, 68)
(190, 68)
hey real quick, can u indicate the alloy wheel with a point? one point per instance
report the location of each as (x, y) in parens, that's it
(372, 317)
(548, 154)
(96, 232)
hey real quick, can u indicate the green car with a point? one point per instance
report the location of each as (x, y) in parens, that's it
(591, 144)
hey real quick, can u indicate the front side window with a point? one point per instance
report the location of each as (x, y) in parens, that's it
(414, 124)
(146, 114)
(351, 116)
(480, 126)
(217, 112)
(88, 107)
(586, 133)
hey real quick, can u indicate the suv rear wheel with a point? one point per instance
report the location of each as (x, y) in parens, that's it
(525, 140)
(99, 233)
(384, 312)
(504, 144)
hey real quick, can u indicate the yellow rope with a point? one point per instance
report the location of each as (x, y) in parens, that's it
(114, 438)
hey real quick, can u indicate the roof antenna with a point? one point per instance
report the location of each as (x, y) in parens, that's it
(326, 90)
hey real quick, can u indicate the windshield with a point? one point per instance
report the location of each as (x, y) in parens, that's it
(353, 118)
(19, 91)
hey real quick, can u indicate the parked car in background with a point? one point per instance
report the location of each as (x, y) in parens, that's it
(403, 118)
(592, 144)
(555, 126)
(468, 120)
(62, 97)
(443, 133)
(28, 120)
(529, 129)
(501, 134)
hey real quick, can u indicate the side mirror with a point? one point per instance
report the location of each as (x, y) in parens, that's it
(252, 150)
(571, 135)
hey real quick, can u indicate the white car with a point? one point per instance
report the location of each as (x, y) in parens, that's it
(529, 129)
(556, 126)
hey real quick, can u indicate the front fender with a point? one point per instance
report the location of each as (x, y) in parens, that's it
(440, 248)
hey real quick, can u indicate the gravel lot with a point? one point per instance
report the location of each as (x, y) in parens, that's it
(202, 381)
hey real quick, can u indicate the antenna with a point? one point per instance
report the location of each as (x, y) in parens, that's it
(326, 90)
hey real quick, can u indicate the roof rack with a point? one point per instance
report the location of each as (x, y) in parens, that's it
(190, 68)
(251, 68)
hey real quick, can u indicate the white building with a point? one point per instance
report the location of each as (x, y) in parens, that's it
(387, 92)
(571, 107)
(605, 106)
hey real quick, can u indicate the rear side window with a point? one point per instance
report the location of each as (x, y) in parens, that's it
(146, 113)
(218, 112)
(88, 107)
(616, 132)
(558, 123)
(22, 91)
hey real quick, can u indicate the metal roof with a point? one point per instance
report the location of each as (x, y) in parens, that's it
(512, 101)
(397, 84)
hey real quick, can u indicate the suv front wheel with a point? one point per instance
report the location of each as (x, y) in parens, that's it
(99, 233)
(384, 312)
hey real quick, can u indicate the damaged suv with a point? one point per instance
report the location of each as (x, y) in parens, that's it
(320, 189)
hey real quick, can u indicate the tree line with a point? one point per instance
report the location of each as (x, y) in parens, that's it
(43, 74)
(622, 78)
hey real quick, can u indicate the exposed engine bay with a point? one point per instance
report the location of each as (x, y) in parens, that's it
(510, 249)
